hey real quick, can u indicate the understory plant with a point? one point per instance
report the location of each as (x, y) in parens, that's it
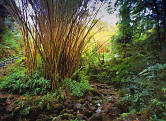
(78, 88)
(36, 85)
(146, 93)
(9, 46)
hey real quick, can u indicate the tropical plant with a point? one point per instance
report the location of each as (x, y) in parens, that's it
(78, 88)
(36, 85)
(148, 85)
(54, 34)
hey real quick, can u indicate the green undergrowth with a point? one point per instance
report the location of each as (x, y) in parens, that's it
(26, 104)
(146, 93)
(37, 85)
(14, 83)
(39, 107)
(36, 99)
(78, 88)
(8, 45)
(46, 107)
(139, 74)
(117, 70)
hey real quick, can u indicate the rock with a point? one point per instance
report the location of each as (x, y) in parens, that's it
(86, 106)
(70, 106)
(85, 118)
(98, 110)
(109, 98)
(80, 116)
(100, 117)
(98, 103)
(96, 117)
(114, 112)
(63, 111)
(80, 101)
(88, 99)
(102, 96)
(95, 92)
(58, 108)
(92, 108)
(88, 113)
(77, 106)
(70, 111)
(66, 117)
(106, 107)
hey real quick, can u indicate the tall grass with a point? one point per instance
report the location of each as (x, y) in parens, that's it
(54, 35)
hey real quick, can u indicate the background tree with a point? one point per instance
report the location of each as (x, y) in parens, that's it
(125, 28)
(138, 17)
(3, 15)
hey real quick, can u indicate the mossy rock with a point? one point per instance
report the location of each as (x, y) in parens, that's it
(94, 92)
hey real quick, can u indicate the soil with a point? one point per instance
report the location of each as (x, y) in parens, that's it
(100, 104)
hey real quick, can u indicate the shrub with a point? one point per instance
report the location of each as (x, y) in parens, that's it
(14, 83)
(29, 106)
(78, 88)
(148, 85)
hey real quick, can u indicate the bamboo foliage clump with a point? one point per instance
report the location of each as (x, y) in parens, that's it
(54, 34)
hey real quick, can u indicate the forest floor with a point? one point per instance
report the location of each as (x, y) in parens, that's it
(102, 103)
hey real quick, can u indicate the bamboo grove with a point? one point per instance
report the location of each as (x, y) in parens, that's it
(54, 35)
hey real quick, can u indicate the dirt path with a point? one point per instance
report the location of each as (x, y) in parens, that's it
(100, 104)
(110, 108)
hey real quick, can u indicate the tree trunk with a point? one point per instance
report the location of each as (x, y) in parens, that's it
(164, 17)
(157, 21)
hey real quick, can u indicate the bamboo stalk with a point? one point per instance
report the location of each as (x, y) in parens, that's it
(56, 36)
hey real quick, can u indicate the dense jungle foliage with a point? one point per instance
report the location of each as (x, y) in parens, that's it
(59, 62)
